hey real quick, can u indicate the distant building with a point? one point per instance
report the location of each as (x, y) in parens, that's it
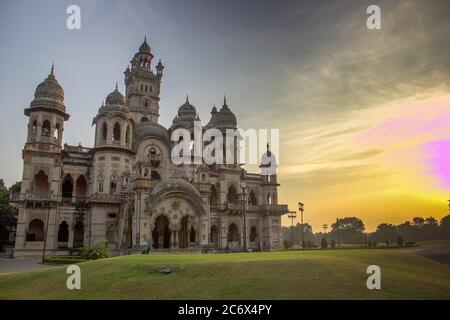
(126, 191)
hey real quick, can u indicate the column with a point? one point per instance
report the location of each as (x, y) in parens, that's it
(70, 244)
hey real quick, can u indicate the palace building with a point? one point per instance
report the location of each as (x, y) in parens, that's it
(125, 191)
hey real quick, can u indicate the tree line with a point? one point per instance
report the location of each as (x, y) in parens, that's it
(351, 230)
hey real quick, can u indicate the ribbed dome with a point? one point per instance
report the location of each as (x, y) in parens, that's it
(186, 116)
(50, 88)
(49, 94)
(115, 98)
(225, 118)
(144, 47)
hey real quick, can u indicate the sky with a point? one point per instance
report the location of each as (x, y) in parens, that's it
(363, 114)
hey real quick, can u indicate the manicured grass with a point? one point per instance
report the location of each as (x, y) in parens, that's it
(311, 274)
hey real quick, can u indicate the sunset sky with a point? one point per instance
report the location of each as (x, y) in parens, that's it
(363, 114)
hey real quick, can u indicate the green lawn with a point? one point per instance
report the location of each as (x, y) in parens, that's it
(311, 274)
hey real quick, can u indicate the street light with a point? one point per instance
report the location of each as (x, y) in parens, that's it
(46, 232)
(301, 207)
(292, 216)
(243, 185)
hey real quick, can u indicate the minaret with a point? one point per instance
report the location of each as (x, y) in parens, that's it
(47, 114)
(143, 86)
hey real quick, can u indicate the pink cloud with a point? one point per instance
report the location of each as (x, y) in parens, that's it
(438, 153)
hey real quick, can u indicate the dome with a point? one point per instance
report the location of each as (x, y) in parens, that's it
(225, 118)
(145, 48)
(145, 130)
(50, 88)
(186, 116)
(115, 98)
(49, 94)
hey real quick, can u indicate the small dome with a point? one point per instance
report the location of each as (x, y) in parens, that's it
(49, 94)
(186, 116)
(225, 118)
(50, 88)
(115, 98)
(145, 48)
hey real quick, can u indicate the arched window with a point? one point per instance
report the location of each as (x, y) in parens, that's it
(213, 197)
(155, 158)
(63, 232)
(67, 188)
(146, 104)
(252, 199)
(144, 119)
(104, 131)
(232, 195)
(156, 176)
(116, 132)
(269, 199)
(142, 87)
(56, 133)
(253, 234)
(36, 230)
(81, 186)
(45, 132)
(34, 126)
(41, 184)
(233, 233)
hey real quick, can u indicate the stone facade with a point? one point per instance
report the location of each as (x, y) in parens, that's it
(125, 191)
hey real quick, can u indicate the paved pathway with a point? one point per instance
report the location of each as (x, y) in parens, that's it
(21, 265)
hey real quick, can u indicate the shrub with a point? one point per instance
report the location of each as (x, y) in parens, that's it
(399, 241)
(287, 244)
(94, 253)
(324, 243)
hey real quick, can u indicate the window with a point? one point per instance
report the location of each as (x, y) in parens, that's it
(144, 119)
(146, 104)
(45, 128)
(100, 186)
(252, 199)
(116, 132)
(113, 187)
(41, 184)
(36, 230)
(104, 131)
(232, 195)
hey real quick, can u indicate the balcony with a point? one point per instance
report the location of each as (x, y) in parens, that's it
(38, 197)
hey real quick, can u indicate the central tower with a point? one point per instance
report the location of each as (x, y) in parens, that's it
(143, 86)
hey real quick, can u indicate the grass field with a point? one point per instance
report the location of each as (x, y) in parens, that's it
(311, 274)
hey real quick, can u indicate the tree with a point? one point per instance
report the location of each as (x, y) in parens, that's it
(333, 244)
(350, 229)
(324, 243)
(444, 227)
(400, 241)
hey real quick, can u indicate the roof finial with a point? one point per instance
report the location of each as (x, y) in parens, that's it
(187, 97)
(53, 68)
(224, 99)
(117, 84)
(268, 147)
(145, 38)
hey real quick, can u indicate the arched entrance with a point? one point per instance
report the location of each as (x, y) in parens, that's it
(233, 236)
(161, 233)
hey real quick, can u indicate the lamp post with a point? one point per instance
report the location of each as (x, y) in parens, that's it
(292, 216)
(243, 185)
(325, 227)
(301, 207)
